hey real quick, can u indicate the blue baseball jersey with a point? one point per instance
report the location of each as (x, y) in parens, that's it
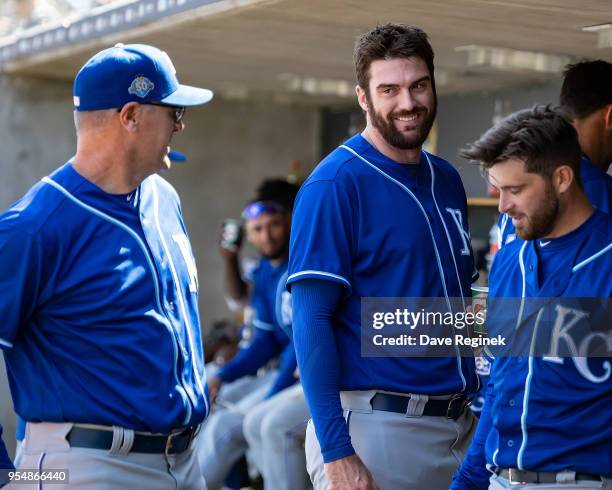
(596, 183)
(383, 229)
(552, 413)
(98, 297)
(272, 321)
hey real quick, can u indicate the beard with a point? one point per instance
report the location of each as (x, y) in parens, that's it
(396, 138)
(543, 220)
(278, 252)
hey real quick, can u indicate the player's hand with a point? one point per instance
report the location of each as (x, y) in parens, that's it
(214, 385)
(349, 474)
(230, 240)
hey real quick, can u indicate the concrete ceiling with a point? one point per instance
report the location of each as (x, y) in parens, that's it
(302, 49)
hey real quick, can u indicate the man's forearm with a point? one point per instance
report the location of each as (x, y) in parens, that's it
(235, 287)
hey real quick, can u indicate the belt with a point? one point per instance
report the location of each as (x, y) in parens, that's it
(451, 408)
(514, 475)
(143, 443)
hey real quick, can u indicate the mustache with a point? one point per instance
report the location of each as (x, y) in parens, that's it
(415, 112)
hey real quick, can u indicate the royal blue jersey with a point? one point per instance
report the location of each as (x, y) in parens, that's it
(596, 183)
(272, 321)
(98, 296)
(549, 413)
(383, 229)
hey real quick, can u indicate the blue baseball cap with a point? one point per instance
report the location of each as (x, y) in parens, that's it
(132, 73)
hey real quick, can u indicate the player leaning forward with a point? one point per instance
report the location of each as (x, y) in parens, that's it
(546, 418)
(98, 290)
(379, 217)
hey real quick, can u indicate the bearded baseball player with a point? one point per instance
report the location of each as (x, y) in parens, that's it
(99, 290)
(380, 217)
(586, 99)
(546, 419)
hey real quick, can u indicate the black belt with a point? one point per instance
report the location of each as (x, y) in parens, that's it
(451, 408)
(514, 475)
(150, 444)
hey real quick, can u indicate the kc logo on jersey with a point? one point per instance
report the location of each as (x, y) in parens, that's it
(566, 319)
(465, 236)
(141, 86)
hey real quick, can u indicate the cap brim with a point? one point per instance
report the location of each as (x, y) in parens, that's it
(176, 156)
(186, 96)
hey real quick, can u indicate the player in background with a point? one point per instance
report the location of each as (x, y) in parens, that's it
(546, 419)
(379, 217)
(99, 290)
(267, 220)
(5, 461)
(586, 99)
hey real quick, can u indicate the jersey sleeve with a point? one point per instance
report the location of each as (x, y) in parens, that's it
(473, 473)
(21, 259)
(322, 234)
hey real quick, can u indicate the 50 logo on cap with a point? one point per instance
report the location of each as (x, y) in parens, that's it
(141, 86)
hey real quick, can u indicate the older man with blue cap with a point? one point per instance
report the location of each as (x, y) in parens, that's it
(99, 291)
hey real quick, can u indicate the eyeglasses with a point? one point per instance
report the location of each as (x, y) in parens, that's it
(179, 111)
(257, 208)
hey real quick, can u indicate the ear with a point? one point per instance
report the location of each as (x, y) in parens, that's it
(608, 117)
(563, 178)
(129, 116)
(361, 98)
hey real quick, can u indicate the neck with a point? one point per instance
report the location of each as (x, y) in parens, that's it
(593, 139)
(106, 165)
(373, 136)
(573, 213)
(279, 260)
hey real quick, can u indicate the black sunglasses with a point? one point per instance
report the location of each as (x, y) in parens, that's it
(179, 111)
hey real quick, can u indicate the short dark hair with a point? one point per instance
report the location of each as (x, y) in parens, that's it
(587, 87)
(391, 41)
(542, 137)
(277, 190)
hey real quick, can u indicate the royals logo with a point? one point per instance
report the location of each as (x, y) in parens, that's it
(141, 86)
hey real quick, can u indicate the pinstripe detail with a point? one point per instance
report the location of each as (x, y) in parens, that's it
(318, 273)
(450, 245)
(524, 415)
(5, 343)
(263, 325)
(181, 299)
(522, 266)
(591, 258)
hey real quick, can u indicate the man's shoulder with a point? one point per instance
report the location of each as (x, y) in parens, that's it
(35, 208)
(444, 167)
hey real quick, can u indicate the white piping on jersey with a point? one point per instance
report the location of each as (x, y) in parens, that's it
(433, 239)
(450, 245)
(5, 343)
(521, 452)
(522, 266)
(494, 458)
(500, 231)
(263, 325)
(282, 284)
(591, 258)
(143, 247)
(318, 273)
(180, 297)
(450, 242)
